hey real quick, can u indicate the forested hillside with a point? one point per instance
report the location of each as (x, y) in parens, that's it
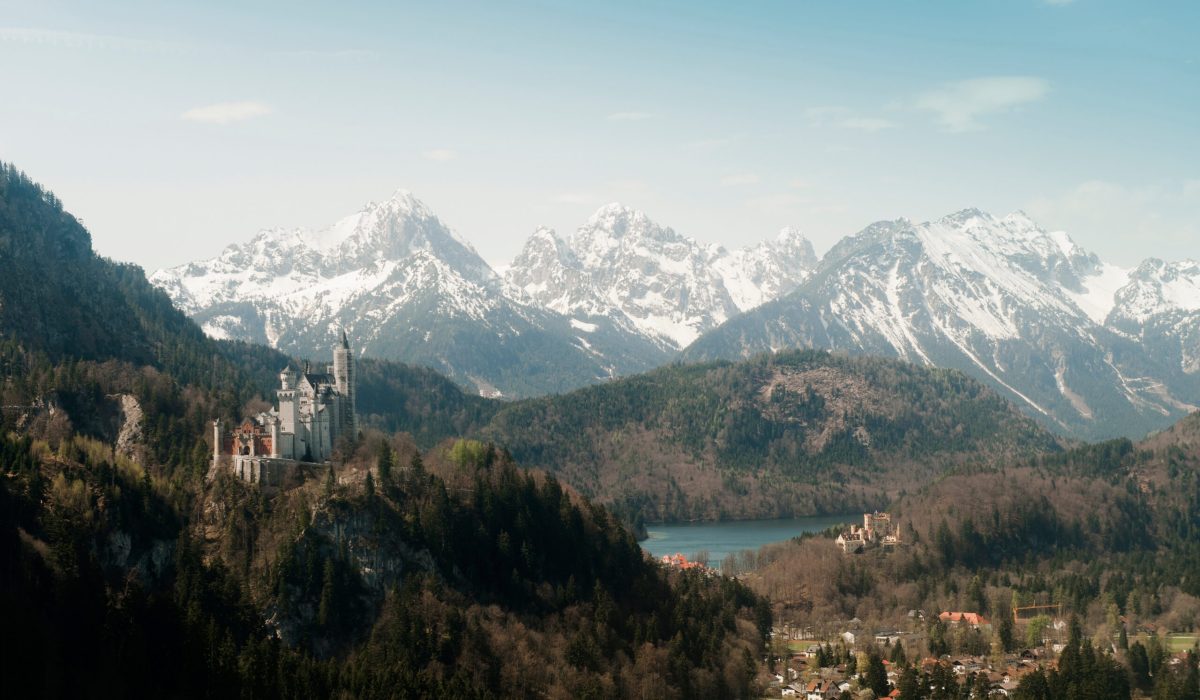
(796, 433)
(484, 582)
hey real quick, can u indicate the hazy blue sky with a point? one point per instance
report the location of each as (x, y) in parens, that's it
(175, 128)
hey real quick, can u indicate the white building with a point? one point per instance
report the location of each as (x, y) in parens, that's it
(314, 411)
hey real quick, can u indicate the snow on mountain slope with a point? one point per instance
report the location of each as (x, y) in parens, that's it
(623, 266)
(1158, 287)
(1098, 295)
(754, 276)
(407, 288)
(1018, 307)
(278, 262)
(1160, 309)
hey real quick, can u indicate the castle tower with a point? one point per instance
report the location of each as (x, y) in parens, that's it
(343, 375)
(216, 441)
(289, 433)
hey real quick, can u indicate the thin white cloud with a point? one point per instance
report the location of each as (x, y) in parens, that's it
(629, 116)
(226, 112)
(440, 155)
(961, 106)
(844, 118)
(739, 179)
(80, 40)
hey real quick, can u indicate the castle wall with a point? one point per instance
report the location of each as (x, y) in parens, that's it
(267, 473)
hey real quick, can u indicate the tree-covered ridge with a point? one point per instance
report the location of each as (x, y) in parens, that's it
(486, 582)
(58, 298)
(793, 433)
(417, 400)
(77, 330)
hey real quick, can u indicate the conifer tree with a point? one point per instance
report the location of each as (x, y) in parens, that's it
(387, 460)
(875, 676)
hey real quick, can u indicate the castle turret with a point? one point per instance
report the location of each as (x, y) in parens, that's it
(216, 441)
(287, 378)
(343, 375)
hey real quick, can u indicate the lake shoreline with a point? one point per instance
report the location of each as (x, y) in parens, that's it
(718, 539)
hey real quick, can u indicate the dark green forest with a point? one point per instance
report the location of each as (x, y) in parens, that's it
(104, 577)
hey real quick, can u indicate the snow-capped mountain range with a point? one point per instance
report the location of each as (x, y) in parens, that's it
(1089, 348)
(407, 287)
(622, 266)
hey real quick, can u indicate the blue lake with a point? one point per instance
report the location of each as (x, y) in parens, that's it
(721, 539)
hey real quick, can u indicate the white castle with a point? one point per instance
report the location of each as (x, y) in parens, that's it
(315, 411)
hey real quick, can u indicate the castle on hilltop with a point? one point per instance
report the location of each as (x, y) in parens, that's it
(314, 411)
(877, 530)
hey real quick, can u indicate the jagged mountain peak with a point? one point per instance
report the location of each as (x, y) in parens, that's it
(544, 237)
(402, 201)
(1020, 218)
(790, 234)
(543, 252)
(624, 266)
(615, 211)
(971, 241)
(1157, 287)
(618, 222)
(793, 240)
(967, 216)
(396, 226)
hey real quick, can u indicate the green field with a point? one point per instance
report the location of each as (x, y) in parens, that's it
(797, 645)
(1180, 642)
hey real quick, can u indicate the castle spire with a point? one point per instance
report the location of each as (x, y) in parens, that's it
(345, 340)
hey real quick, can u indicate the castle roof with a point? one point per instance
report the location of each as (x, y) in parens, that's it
(319, 379)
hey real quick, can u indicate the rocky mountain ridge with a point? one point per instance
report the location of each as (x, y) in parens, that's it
(1090, 349)
(1086, 347)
